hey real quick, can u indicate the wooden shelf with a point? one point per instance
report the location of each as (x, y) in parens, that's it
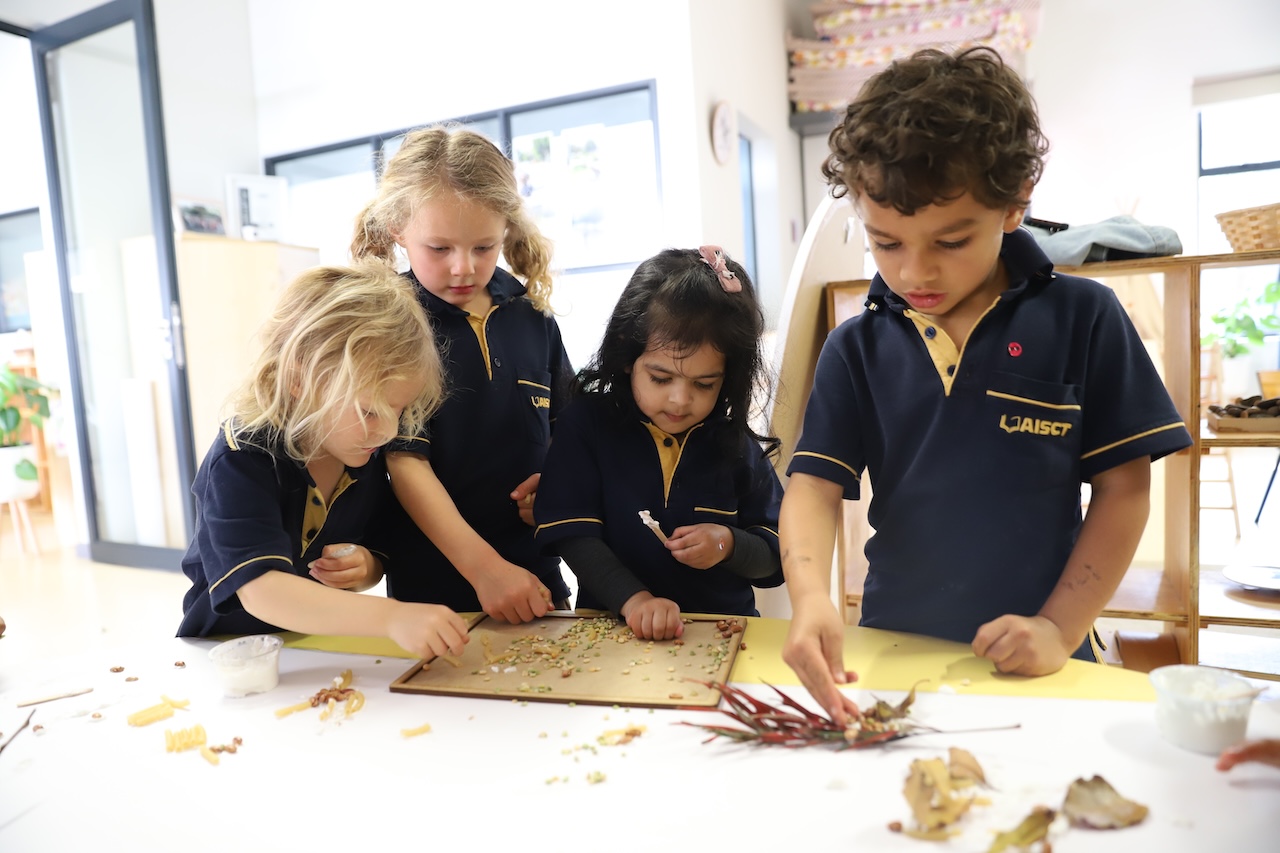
(1225, 603)
(1247, 654)
(1181, 592)
(1150, 266)
(1148, 592)
(1209, 438)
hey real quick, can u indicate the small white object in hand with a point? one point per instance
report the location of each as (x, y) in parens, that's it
(344, 551)
(648, 522)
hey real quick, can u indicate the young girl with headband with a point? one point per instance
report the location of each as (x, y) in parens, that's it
(658, 441)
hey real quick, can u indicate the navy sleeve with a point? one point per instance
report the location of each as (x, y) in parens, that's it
(1127, 412)
(830, 445)
(758, 512)
(561, 372)
(570, 500)
(242, 531)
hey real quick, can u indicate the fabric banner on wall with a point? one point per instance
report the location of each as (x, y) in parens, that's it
(857, 38)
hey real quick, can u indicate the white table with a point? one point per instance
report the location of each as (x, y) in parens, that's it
(480, 778)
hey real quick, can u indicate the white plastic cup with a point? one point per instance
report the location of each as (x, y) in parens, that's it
(248, 665)
(1202, 708)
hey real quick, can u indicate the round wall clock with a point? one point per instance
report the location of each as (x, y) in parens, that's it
(722, 131)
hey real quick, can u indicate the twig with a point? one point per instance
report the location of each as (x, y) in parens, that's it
(65, 695)
(25, 723)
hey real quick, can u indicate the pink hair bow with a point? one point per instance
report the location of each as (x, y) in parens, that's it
(714, 257)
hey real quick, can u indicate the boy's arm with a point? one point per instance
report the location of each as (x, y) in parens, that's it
(815, 642)
(1118, 510)
(506, 591)
(298, 604)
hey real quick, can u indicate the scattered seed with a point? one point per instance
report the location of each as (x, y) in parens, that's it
(117, 669)
(95, 716)
(895, 826)
(131, 678)
(179, 663)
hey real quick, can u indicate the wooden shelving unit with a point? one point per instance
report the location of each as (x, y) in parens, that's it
(1178, 594)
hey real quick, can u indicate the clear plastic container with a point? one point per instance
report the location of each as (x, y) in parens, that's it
(248, 665)
(1201, 708)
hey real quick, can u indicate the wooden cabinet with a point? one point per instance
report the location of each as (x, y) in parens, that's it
(227, 289)
(1176, 595)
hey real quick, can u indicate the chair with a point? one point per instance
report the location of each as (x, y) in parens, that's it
(1269, 382)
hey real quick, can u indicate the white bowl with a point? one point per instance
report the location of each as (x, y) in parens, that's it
(248, 664)
(1201, 708)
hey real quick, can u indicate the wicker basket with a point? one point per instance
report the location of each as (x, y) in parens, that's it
(1252, 228)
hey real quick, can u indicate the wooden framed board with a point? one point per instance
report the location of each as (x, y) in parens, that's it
(606, 664)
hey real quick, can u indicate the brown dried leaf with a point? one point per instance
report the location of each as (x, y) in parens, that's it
(929, 793)
(1094, 804)
(965, 766)
(884, 712)
(1034, 827)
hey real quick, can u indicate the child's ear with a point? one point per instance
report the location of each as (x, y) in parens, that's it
(1016, 212)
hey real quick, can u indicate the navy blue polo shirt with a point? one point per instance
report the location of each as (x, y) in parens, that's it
(507, 378)
(607, 464)
(977, 453)
(257, 510)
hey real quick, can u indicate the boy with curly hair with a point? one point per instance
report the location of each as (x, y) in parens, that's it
(978, 390)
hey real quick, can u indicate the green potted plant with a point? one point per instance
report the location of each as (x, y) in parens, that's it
(1241, 328)
(23, 400)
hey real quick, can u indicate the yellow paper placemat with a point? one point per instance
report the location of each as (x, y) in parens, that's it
(884, 660)
(888, 660)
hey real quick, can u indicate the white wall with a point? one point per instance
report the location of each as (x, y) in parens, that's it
(1120, 117)
(207, 94)
(21, 158)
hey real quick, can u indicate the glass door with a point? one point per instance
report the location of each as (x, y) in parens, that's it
(99, 99)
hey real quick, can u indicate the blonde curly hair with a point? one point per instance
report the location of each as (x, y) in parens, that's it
(452, 159)
(335, 334)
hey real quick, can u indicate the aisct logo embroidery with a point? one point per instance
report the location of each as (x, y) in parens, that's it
(541, 402)
(1035, 426)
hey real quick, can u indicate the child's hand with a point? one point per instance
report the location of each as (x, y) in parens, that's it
(524, 497)
(652, 618)
(344, 566)
(1262, 751)
(701, 546)
(1022, 645)
(512, 594)
(427, 630)
(815, 650)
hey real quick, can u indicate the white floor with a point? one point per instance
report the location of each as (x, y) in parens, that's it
(55, 603)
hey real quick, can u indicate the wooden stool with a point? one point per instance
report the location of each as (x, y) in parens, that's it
(22, 529)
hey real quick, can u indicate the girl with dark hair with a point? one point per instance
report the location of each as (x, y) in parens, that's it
(659, 441)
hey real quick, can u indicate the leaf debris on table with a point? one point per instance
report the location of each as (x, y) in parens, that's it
(1094, 804)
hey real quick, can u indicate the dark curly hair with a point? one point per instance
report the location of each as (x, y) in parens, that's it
(934, 126)
(675, 300)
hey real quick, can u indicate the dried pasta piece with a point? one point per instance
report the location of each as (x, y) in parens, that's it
(156, 713)
(209, 755)
(184, 739)
(419, 730)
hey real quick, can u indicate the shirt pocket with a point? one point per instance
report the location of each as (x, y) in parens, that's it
(1035, 423)
(534, 395)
